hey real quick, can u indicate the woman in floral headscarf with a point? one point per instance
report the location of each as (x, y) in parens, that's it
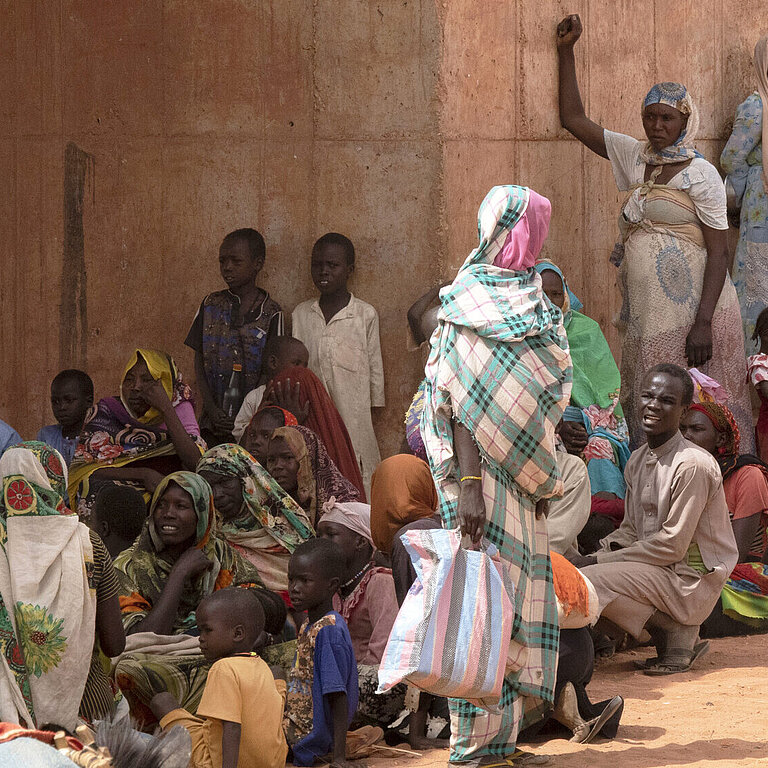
(146, 432)
(679, 304)
(259, 519)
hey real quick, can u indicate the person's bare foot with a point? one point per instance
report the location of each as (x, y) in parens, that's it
(163, 703)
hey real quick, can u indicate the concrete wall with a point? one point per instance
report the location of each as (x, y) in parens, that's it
(134, 135)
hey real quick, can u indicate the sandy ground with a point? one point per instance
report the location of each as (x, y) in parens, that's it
(716, 715)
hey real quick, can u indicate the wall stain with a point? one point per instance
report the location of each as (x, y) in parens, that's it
(79, 173)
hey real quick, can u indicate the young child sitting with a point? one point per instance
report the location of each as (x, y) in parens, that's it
(281, 352)
(118, 515)
(239, 719)
(757, 366)
(71, 397)
(322, 685)
(342, 336)
(230, 329)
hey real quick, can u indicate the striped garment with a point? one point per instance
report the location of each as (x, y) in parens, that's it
(500, 366)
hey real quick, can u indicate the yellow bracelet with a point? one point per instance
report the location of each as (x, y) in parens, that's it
(470, 477)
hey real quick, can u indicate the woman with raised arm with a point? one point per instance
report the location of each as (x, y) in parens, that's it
(679, 304)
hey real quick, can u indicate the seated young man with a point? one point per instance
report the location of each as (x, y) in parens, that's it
(663, 569)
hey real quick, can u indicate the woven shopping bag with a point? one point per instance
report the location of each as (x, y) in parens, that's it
(453, 630)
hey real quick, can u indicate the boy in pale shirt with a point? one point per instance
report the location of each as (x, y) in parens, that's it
(341, 333)
(239, 720)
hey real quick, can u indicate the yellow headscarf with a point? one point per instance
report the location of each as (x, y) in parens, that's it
(161, 366)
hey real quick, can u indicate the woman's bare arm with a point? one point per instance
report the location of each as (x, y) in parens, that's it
(698, 344)
(572, 115)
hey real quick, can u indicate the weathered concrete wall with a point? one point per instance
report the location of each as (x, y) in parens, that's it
(134, 135)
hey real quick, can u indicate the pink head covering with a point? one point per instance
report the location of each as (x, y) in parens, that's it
(525, 240)
(352, 514)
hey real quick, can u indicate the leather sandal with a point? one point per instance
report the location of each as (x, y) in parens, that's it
(677, 660)
(700, 649)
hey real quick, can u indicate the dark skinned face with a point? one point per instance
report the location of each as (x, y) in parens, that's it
(219, 632)
(662, 125)
(175, 519)
(136, 381)
(227, 494)
(260, 430)
(661, 407)
(308, 587)
(697, 428)
(237, 266)
(69, 404)
(349, 542)
(282, 465)
(329, 268)
(553, 287)
(290, 356)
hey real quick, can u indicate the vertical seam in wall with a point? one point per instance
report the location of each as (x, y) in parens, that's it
(313, 141)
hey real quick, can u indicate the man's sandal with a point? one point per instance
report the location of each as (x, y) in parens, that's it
(700, 649)
(677, 660)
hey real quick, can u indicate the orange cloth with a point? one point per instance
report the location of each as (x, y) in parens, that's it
(324, 420)
(402, 490)
(570, 587)
(746, 494)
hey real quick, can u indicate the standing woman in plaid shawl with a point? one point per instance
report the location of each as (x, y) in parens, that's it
(497, 382)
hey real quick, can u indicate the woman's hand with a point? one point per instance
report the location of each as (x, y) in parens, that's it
(156, 396)
(569, 31)
(150, 478)
(542, 509)
(698, 344)
(289, 398)
(192, 563)
(574, 436)
(472, 510)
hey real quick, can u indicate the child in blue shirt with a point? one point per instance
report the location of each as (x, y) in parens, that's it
(322, 685)
(71, 398)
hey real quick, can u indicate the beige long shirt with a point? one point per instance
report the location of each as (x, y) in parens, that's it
(674, 499)
(345, 354)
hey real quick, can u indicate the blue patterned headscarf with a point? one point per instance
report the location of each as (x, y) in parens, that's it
(673, 95)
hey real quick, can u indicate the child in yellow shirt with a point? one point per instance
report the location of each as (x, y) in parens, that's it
(239, 720)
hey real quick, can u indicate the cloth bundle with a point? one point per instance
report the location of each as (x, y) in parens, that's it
(453, 631)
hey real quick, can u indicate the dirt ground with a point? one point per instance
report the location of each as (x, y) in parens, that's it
(714, 715)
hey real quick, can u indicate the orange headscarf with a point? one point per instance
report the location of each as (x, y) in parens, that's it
(402, 490)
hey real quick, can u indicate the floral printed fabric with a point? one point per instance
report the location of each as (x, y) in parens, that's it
(47, 643)
(113, 437)
(742, 160)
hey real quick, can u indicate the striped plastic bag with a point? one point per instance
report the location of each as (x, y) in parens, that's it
(453, 630)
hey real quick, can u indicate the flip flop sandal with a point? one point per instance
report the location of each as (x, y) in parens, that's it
(594, 726)
(700, 649)
(678, 660)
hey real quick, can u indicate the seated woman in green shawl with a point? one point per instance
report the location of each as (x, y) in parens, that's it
(593, 425)
(178, 559)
